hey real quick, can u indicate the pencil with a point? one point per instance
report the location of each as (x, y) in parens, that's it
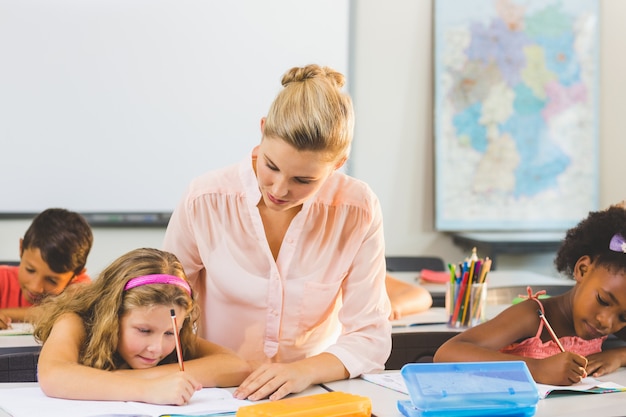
(459, 299)
(550, 330)
(179, 352)
(468, 289)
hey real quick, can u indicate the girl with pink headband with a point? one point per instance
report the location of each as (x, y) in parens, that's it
(114, 339)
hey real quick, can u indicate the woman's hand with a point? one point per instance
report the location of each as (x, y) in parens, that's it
(274, 381)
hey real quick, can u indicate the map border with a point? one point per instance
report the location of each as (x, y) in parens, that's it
(443, 171)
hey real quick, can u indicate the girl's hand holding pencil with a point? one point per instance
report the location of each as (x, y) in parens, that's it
(573, 366)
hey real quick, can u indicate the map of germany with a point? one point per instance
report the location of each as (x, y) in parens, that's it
(516, 97)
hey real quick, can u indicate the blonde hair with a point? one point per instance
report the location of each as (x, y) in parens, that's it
(102, 304)
(312, 113)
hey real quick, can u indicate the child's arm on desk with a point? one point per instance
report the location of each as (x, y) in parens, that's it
(5, 320)
(406, 298)
(17, 314)
(610, 359)
(518, 322)
(214, 366)
(61, 375)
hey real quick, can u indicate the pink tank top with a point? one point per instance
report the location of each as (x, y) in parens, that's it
(533, 347)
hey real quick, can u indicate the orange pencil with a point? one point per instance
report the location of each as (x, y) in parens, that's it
(550, 330)
(179, 352)
(459, 299)
(468, 291)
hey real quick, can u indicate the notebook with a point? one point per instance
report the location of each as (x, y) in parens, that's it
(30, 401)
(17, 329)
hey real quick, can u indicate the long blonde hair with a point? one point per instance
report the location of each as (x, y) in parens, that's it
(102, 304)
(311, 113)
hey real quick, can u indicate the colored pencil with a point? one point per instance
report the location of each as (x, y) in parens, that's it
(551, 331)
(179, 352)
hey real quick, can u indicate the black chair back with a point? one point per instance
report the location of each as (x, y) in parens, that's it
(414, 263)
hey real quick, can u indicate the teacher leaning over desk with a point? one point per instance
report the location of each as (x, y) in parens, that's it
(286, 252)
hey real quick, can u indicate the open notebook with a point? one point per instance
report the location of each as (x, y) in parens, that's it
(17, 329)
(31, 401)
(588, 385)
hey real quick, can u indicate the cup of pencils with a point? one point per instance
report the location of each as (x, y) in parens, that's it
(466, 292)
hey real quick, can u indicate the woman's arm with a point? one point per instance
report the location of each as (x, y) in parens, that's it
(180, 240)
(61, 375)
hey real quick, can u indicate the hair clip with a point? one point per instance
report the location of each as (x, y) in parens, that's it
(618, 243)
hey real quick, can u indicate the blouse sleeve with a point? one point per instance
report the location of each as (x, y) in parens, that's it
(365, 343)
(180, 239)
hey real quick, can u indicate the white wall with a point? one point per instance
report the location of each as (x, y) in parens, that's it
(391, 84)
(155, 92)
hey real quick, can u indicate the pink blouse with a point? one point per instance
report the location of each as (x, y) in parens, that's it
(324, 293)
(533, 347)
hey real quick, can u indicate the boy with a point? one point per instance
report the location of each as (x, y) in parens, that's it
(53, 254)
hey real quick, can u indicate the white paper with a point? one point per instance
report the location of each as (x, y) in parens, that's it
(392, 380)
(17, 329)
(589, 385)
(31, 401)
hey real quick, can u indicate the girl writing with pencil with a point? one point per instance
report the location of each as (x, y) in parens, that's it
(116, 339)
(560, 338)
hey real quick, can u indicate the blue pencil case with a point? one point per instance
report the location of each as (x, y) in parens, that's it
(468, 389)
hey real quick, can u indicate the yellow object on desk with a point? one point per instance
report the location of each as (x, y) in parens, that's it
(329, 404)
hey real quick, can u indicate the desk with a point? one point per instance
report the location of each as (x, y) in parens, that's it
(384, 400)
(18, 344)
(494, 244)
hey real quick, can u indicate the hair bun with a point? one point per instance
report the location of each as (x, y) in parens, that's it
(301, 74)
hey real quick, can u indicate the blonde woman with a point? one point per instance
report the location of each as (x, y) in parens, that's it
(114, 339)
(286, 251)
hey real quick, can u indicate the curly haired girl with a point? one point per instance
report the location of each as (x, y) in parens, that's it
(594, 254)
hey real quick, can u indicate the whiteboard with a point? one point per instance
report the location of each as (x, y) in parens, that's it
(113, 106)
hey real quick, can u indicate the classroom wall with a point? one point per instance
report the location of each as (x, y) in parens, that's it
(155, 88)
(390, 79)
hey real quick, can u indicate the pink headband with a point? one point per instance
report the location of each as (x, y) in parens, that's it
(158, 279)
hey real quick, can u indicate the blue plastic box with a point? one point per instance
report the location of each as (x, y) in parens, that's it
(469, 389)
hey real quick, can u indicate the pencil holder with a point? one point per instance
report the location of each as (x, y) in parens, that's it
(466, 304)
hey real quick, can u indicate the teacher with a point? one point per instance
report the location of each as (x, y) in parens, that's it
(285, 251)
